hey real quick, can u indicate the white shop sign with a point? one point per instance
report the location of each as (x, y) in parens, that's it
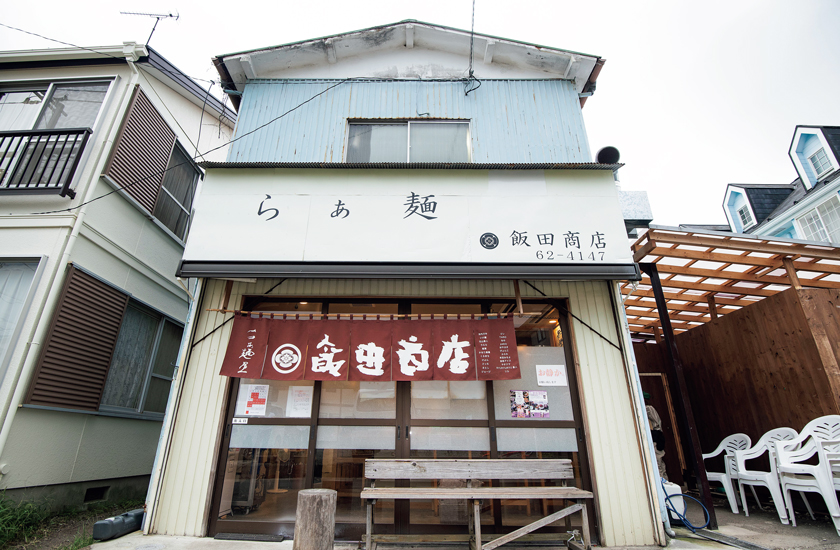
(461, 216)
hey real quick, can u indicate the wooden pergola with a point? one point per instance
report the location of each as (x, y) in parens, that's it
(705, 274)
(692, 277)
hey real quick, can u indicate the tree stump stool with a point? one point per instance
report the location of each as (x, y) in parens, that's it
(315, 519)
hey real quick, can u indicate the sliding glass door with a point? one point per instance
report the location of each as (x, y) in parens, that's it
(282, 437)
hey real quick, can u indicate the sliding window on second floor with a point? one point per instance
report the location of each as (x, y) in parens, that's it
(43, 132)
(409, 141)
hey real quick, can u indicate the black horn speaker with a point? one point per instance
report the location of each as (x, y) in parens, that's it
(608, 155)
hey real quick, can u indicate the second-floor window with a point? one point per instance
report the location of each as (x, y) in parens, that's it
(43, 130)
(821, 224)
(174, 200)
(409, 141)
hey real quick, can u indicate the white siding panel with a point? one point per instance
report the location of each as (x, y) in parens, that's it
(625, 510)
(615, 454)
(192, 458)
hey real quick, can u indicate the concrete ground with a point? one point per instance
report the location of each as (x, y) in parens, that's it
(136, 541)
(761, 528)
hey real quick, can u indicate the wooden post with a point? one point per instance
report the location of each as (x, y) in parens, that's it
(686, 414)
(315, 519)
(791, 273)
(710, 298)
(656, 335)
(518, 296)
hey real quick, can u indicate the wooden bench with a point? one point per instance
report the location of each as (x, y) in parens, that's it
(469, 470)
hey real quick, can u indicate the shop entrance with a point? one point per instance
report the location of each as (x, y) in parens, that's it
(318, 434)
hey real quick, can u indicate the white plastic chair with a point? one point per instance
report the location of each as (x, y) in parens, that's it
(730, 444)
(821, 437)
(767, 444)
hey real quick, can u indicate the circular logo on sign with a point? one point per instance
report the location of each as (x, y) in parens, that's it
(489, 241)
(286, 358)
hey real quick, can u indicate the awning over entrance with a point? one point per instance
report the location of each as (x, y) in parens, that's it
(705, 274)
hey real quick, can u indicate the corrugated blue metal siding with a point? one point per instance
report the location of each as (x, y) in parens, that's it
(525, 121)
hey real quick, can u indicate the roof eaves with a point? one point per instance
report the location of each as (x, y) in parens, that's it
(176, 75)
(398, 23)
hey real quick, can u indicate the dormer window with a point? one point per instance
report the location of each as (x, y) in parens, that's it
(409, 141)
(745, 216)
(820, 162)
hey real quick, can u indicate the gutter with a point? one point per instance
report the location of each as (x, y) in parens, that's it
(228, 85)
(589, 87)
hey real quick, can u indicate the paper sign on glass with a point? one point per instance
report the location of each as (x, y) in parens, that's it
(299, 402)
(528, 404)
(252, 400)
(552, 375)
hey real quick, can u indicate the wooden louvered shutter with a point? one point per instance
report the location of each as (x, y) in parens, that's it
(74, 364)
(142, 151)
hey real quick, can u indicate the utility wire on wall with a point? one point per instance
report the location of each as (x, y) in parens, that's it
(154, 174)
(471, 79)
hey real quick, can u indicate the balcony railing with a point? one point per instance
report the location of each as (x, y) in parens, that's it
(40, 161)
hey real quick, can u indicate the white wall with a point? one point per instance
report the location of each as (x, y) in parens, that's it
(48, 447)
(117, 241)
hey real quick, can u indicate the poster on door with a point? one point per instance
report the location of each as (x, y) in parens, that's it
(299, 402)
(528, 404)
(252, 400)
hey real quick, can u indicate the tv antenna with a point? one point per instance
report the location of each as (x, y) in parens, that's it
(157, 16)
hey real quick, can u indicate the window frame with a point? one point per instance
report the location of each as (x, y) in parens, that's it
(408, 122)
(5, 358)
(826, 170)
(199, 176)
(815, 211)
(139, 412)
(49, 87)
(749, 221)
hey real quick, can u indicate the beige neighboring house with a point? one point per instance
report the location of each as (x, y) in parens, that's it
(97, 182)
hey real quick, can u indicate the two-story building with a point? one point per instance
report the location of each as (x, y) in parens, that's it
(97, 180)
(381, 179)
(807, 209)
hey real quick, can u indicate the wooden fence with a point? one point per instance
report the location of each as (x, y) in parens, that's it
(774, 363)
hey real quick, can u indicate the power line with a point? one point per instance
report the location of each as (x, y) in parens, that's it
(470, 76)
(104, 54)
(237, 82)
(135, 182)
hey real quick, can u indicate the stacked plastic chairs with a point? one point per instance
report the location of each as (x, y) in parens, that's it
(789, 455)
(769, 479)
(820, 437)
(735, 442)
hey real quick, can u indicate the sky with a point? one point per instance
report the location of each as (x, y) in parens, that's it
(695, 95)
